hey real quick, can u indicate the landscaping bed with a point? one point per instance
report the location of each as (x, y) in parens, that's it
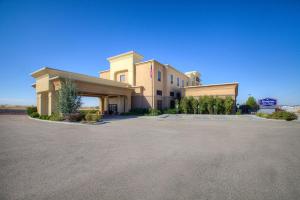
(284, 115)
(86, 116)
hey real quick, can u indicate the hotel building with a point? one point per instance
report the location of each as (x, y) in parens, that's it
(130, 82)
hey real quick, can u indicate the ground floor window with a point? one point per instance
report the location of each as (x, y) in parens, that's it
(159, 104)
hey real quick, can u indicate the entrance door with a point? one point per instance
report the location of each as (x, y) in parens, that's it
(112, 109)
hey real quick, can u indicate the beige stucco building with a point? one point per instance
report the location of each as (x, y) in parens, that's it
(129, 83)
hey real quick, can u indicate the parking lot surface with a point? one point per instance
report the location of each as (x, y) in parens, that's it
(171, 157)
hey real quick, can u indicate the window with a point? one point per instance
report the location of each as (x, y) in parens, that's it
(187, 83)
(197, 79)
(159, 92)
(171, 77)
(172, 94)
(177, 82)
(172, 104)
(182, 83)
(159, 104)
(159, 75)
(122, 78)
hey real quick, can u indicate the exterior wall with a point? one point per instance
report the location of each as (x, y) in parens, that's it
(105, 74)
(120, 101)
(42, 83)
(124, 63)
(118, 74)
(142, 78)
(213, 90)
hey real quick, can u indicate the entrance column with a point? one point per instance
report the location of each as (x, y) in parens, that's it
(51, 102)
(106, 104)
(101, 104)
(42, 103)
(128, 103)
(39, 102)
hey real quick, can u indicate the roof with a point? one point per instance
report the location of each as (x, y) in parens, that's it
(165, 65)
(211, 85)
(125, 54)
(56, 73)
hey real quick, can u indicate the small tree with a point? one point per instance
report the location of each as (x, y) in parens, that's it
(210, 105)
(219, 105)
(251, 102)
(203, 105)
(184, 104)
(228, 104)
(68, 100)
(194, 103)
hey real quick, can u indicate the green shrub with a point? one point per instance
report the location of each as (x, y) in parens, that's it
(170, 111)
(219, 106)
(288, 116)
(228, 104)
(245, 109)
(93, 117)
(194, 104)
(238, 112)
(31, 110)
(203, 105)
(210, 104)
(68, 100)
(44, 117)
(56, 117)
(35, 115)
(126, 113)
(139, 111)
(184, 105)
(251, 102)
(153, 112)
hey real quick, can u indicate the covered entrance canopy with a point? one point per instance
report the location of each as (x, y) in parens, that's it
(48, 82)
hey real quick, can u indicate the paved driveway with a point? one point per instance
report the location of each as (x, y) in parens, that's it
(150, 158)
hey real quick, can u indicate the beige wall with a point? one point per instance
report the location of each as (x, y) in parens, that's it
(105, 74)
(213, 90)
(118, 74)
(122, 63)
(143, 78)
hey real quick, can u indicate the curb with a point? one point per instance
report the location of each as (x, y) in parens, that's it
(68, 123)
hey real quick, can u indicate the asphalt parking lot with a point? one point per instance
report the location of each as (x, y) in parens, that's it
(150, 158)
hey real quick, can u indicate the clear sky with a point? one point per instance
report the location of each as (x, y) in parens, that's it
(256, 43)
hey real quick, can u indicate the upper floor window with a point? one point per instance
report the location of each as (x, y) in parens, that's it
(182, 83)
(159, 75)
(172, 94)
(171, 77)
(159, 92)
(122, 78)
(177, 82)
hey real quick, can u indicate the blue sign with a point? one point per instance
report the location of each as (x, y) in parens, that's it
(267, 103)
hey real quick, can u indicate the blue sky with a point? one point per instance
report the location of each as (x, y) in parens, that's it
(256, 43)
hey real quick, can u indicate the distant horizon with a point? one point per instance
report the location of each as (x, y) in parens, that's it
(256, 44)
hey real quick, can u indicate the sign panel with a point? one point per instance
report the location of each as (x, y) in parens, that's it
(267, 103)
